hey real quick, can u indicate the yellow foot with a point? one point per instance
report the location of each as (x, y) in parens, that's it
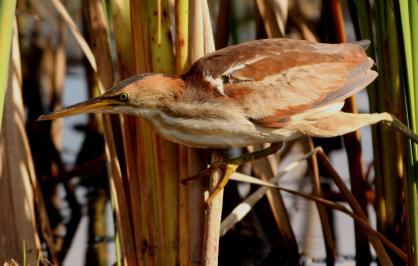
(230, 166)
(229, 170)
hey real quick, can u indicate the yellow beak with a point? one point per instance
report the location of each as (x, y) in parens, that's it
(95, 105)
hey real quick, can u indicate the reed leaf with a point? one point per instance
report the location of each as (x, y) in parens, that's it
(77, 34)
(7, 14)
(152, 167)
(18, 186)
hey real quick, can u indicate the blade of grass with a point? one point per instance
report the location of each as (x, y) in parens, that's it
(7, 14)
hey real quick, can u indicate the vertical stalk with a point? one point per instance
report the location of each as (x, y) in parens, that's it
(378, 25)
(327, 232)
(152, 169)
(407, 14)
(168, 181)
(101, 47)
(182, 35)
(7, 14)
(121, 18)
(354, 152)
(191, 161)
(212, 222)
(18, 194)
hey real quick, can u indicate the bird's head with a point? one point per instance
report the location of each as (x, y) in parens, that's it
(134, 95)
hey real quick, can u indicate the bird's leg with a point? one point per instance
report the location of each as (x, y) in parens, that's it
(255, 155)
(228, 171)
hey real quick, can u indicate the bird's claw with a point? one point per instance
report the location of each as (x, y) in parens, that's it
(227, 170)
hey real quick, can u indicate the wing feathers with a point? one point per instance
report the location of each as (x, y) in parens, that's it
(273, 81)
(358, 78)
(311, 88)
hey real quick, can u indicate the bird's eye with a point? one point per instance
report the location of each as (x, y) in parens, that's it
(123, 96)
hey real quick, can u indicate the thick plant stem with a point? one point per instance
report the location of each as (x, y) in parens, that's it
(354, 150)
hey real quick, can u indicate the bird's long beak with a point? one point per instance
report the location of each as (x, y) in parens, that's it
(94, 105)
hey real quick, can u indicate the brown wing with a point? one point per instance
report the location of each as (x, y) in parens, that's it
(274, 79)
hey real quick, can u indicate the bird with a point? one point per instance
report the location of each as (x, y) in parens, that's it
(261, 91)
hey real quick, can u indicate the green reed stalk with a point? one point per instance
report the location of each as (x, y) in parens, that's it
(7, 14)
(377, 23)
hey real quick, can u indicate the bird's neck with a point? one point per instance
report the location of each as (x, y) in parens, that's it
(174, 85)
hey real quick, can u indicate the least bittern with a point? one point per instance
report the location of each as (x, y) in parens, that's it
(261, 91)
